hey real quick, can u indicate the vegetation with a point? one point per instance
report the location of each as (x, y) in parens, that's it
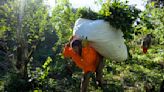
(119, 14)
(31, 42)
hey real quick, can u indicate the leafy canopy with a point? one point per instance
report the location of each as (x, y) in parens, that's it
(118, 14)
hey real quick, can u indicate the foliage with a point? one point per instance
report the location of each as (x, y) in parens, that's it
(45, 36)
(33, 25)
(15, 83)
(152, 21)
(118, 14)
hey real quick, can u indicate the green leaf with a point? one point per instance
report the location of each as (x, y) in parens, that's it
(47, 62)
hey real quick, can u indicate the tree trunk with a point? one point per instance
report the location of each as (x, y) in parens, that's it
(22, 51)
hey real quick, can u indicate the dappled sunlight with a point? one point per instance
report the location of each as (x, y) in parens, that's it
(35, 33)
